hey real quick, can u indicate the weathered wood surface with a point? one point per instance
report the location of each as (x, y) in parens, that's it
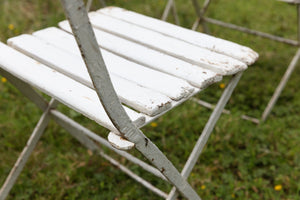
(172, 46)
(59, 86)
(153, 65)
(211, 43)
(195, 75)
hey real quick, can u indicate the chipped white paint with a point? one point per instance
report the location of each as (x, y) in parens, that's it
(173, 87)
(228, 48)
(119, 142)
(69, 92)
(136, 96)
(62, 55)
(188, 52)
(195, 75)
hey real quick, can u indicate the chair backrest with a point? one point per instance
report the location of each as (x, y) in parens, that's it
(83, 32)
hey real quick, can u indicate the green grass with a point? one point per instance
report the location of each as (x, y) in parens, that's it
(241, 160)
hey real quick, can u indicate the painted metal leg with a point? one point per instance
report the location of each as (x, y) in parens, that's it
(253, 32)
(80, 133)
(19, 165)
(207, 131)
(86, 41)
(167, 10)
(281, 85)
(285, 77)
(170, 7)
(200, 13)
(73, 127)
(102, 3)
(88, 5)
(174, 13)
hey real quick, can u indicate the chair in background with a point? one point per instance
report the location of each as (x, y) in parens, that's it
(203, 20)
(146, 64)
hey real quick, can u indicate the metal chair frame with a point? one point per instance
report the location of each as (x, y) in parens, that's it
(203, 20)
(163, 168)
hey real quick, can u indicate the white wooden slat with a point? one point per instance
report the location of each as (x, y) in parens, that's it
(118, 142)
(195, 75)
(188, 52)
(172, 87)
(64, 89)
(139, 98)
(228, 48)
(174, 104)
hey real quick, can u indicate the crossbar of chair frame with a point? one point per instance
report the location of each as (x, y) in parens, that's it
(76, 12)
(201, 19)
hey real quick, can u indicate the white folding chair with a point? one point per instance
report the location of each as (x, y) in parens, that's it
(203, 20)
(147, 64)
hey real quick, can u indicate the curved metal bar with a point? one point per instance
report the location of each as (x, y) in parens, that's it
(77, 15)
(82, 29)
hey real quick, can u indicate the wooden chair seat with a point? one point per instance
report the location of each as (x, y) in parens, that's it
(138, 61)
(153, 65)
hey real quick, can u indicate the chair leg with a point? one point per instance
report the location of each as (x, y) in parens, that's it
(200, 14)
(161, 162)
(80, 133)
(167, 10)
(207, 131)
(31, 143)
(281, 85)
(170, 7)
(174, 13)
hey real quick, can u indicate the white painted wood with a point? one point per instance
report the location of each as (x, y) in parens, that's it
(228, 48)
(174, 104)
(119, 142)
(140, 98)
(172, 46)
(68, 91)
(173, 87)
(195, 75)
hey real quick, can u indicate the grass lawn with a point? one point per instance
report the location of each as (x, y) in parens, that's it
(242, 160)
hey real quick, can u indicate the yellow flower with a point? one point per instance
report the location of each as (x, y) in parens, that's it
(11, 27)
(222, 85)
(278, 187)
(153, 124)
(3, 80)
(203, 187)
(233, 195)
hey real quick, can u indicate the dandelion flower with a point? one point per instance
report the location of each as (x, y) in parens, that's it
(153, 124)
(203, 187)
(222, 85)
(11, 27)
(278, 187)
(3, 80)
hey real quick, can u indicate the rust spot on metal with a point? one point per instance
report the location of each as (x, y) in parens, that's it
(162, 170)
(146, 142)
(152, 159)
